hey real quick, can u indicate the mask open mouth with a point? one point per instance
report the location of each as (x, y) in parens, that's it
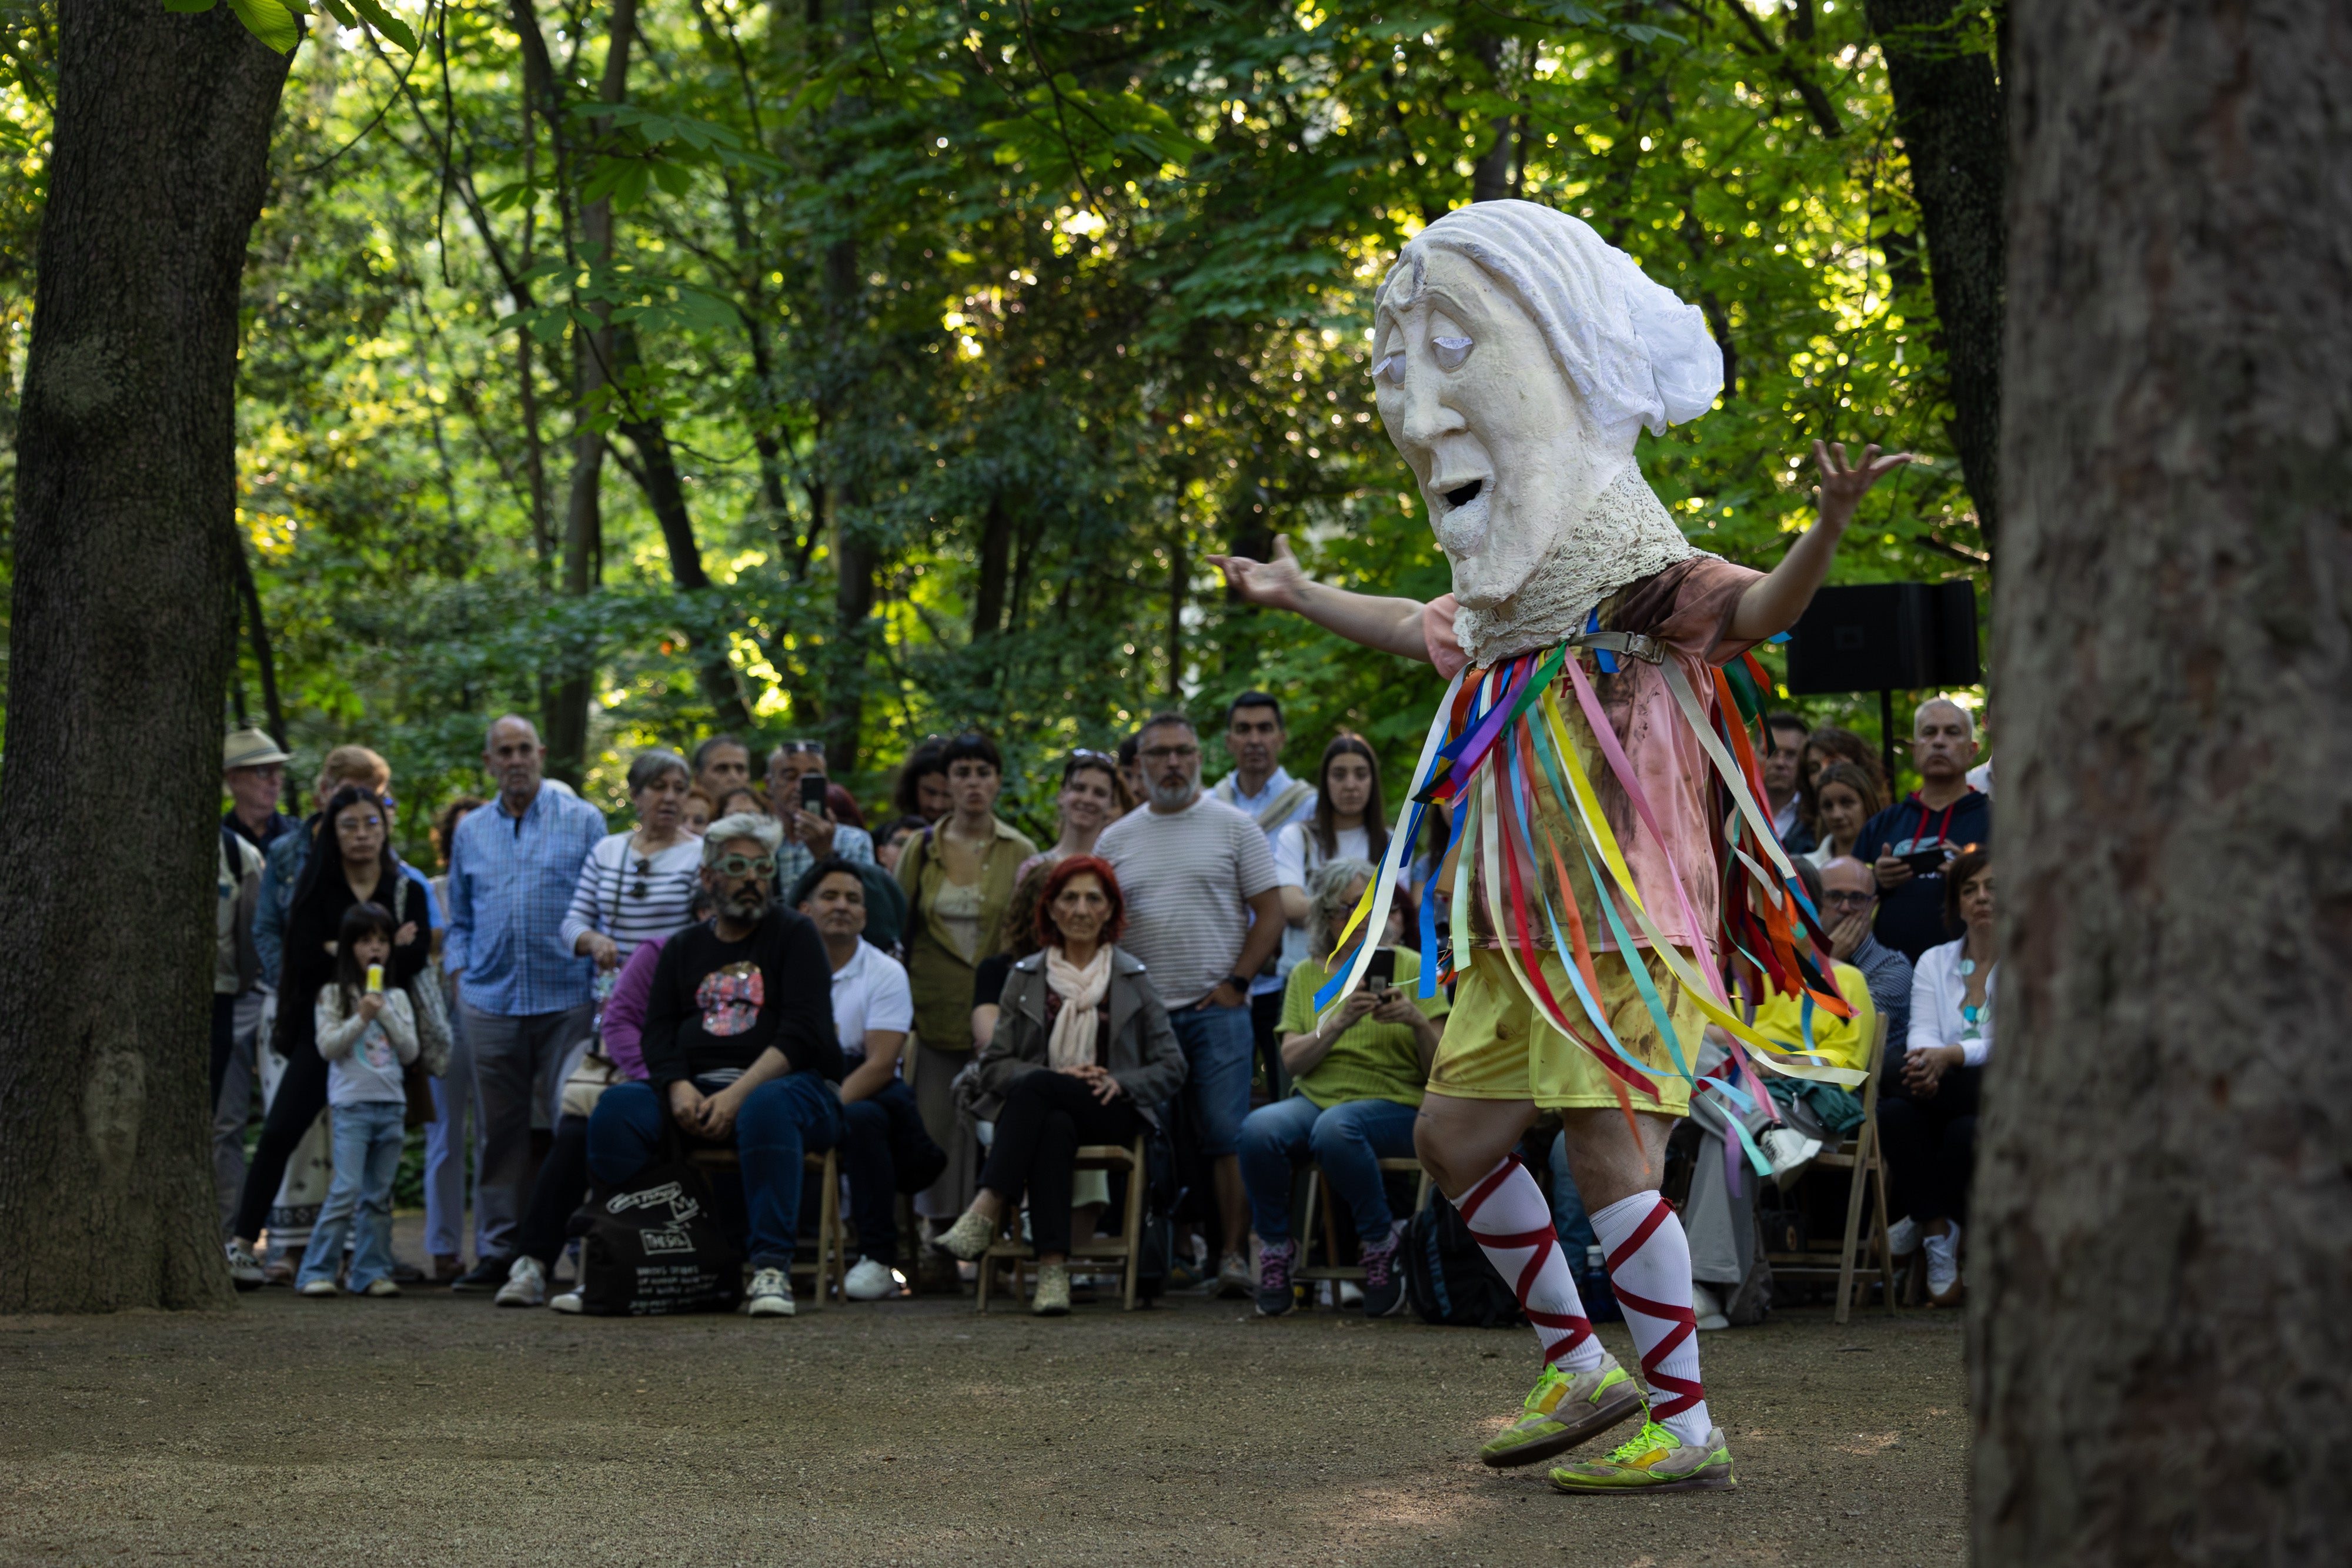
(1459, 514)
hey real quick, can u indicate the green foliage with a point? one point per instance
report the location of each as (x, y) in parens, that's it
(1033, 305)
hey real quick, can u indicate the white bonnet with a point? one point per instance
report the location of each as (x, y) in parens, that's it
(1629, 345)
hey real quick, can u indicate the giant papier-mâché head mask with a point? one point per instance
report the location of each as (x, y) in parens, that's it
(1516, 356)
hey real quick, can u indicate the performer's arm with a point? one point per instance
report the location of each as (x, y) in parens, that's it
(1772, 605)
(1391, 625)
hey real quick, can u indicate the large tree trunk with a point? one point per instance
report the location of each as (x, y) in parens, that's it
(124, 617)
(1949, 111)
(2163, 1219)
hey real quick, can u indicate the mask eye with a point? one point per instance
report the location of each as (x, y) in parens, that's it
(1450, 352)
(1391, 369)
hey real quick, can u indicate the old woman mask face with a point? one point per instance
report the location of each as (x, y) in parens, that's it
(1515, 358)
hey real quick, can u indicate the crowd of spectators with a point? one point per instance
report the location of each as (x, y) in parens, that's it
(954, 1010)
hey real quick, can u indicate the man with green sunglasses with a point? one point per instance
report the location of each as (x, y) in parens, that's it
(739, 1047)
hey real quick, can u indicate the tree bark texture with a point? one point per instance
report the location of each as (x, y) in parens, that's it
(1950, 113)
(124, 619)
(2162, 1366)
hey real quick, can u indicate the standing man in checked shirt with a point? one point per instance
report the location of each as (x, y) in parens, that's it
(524, 998)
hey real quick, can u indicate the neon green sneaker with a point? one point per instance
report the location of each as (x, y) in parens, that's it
(1563, 1410)
(1654, 1461)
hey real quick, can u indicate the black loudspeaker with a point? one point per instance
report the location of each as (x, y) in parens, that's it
(1885, 637)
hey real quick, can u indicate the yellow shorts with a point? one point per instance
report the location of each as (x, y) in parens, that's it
(1498, 1046)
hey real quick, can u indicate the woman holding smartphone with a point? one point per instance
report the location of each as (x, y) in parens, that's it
(1357, 1077)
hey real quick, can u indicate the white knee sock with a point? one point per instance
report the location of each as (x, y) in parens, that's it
(1506, 1211)
(1650, 1268)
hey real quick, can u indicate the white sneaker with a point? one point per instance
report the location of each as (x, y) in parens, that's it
(243, 1268)
(1351, 1294)
(1944, 1266)
(317, 1287)
(381, 1288)
(870, 1281)
(771, 1295)
(526, 1285)
(569, 1302)
(1903, 1238)
(1707, 1307)
(1790, 1152)
(1235, 1279)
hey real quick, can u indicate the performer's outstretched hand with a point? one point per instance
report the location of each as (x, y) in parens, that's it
(1278, 584)
(1771, 605)
(1844, 484)
(1391, 625)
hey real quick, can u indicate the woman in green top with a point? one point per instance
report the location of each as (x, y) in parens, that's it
(958, 878)
(1357, 1077)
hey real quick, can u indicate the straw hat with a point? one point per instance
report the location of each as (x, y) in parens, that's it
(250, 748)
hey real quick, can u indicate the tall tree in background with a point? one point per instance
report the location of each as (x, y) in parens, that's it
(2163, 1219)
(123, 610)
(1949, 111)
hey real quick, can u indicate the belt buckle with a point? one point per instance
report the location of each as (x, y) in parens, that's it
(1645, 648)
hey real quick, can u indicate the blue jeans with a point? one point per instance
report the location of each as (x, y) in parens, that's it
(1348, 1141)
(1220, 1049)
(781, 1121)
(367, 1156)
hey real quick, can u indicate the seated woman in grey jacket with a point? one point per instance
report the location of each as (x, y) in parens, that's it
(1083, 1052)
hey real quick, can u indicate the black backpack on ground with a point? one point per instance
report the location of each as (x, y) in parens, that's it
(655, 1246)
(1446, 1276)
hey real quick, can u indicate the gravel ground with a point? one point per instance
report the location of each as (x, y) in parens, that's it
(435, 1428)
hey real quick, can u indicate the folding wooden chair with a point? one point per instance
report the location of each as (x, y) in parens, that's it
(1319, 1202)
(1127, 1246)
(822, 1259)
(1858, 1156)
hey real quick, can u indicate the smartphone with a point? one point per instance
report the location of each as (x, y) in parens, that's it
(375, 978)
(1379, 974)
(812, 787)
(1925, 863)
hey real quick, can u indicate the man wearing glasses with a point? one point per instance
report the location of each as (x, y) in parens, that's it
(1849, 906)
(1204, 914)
(739, 1050)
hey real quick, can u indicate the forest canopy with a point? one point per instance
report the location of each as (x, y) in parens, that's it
(857, 371)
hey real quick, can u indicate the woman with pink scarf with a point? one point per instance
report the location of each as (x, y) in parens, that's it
(1083, 1054)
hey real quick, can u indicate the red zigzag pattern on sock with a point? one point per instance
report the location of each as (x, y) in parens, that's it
(1686, 1394)
(1543, 1240)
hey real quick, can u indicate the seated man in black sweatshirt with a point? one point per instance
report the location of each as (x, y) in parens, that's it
(739, 1043)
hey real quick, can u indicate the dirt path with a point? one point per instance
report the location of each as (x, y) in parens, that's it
(438, 1430)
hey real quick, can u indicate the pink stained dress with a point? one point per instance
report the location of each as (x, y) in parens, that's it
(1688, 608)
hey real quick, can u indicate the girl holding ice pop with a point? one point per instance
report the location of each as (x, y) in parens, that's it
(367, 1032)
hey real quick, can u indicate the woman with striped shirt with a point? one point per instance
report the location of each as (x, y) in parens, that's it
(638, 886)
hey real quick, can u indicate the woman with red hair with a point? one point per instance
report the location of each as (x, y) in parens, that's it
(1083, 1054)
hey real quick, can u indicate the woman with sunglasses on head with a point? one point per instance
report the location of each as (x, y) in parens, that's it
(638, 885)
(1093, 796)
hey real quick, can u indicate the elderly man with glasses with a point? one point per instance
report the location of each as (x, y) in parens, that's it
(1849, 906)
(739, 1047)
